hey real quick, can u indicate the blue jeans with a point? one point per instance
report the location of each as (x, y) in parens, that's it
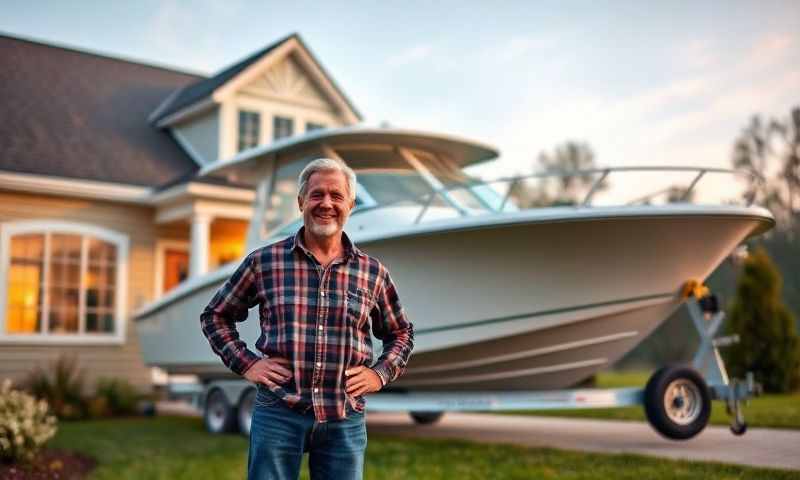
(279, 436)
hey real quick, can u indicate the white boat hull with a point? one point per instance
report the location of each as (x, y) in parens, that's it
(523, 301)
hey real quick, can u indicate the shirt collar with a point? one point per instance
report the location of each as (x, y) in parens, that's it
(350, 250)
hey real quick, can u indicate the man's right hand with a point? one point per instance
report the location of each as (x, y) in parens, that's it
(269, 370)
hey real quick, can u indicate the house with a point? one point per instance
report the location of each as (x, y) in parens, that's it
(101, 210)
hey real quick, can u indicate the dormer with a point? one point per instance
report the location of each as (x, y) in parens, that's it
(279, 91)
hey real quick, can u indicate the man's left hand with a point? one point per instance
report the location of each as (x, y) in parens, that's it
(361, 380)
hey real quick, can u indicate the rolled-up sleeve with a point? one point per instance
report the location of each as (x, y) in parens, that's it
(389, 324)
(230, 305)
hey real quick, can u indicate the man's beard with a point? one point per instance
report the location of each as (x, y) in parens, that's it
(326, 230)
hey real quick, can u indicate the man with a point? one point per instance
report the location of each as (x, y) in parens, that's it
(318, 295)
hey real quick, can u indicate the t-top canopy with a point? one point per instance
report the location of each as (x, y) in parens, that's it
(248, 166)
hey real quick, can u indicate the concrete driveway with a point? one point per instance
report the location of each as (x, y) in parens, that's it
(758, 447)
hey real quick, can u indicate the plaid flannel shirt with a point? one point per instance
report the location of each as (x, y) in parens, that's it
(318, 318)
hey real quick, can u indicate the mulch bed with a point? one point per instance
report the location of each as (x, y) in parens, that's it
(50, 465)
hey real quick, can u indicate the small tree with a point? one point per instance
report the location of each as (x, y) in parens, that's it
(769, 345)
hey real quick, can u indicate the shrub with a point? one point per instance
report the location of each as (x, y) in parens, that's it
(25, 424)
(769, 345)
(114, 397)
(62, 389)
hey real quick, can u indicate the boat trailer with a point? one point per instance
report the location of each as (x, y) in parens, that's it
(677, 398)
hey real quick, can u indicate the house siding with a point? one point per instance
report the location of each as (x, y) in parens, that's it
(202, 135)
(122, 360)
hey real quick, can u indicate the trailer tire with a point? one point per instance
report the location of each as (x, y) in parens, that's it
(677, 402)
(219, 415)
(426, 418)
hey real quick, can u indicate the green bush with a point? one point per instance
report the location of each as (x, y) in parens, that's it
(62, 387)
(114, 397)
(24, 424)
(769, 345)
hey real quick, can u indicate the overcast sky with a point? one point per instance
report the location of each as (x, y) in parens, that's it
(641, 82)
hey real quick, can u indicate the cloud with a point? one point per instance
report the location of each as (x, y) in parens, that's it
(691, 119)
(410, 55)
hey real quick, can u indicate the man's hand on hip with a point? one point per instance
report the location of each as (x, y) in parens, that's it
(362, 380)
(269, 370)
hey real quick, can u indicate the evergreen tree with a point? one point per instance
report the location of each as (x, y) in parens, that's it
(769, 346)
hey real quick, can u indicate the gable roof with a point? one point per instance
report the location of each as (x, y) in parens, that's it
(203, 89)
(74, 114)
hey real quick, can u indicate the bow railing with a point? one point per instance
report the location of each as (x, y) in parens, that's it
(505, 194)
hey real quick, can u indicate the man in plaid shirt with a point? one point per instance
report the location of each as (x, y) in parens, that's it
(319, 295)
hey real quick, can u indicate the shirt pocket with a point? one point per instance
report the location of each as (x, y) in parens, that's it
(358, 307)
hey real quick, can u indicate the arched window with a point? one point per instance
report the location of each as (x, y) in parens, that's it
(62, 282)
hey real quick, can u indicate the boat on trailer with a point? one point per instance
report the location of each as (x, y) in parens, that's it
(502, 297)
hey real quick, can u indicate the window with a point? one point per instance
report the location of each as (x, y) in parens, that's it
(249, 129)
(62, 281)
(282, 127)
(311, 126)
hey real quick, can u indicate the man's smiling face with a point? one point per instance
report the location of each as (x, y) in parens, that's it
(326, 204)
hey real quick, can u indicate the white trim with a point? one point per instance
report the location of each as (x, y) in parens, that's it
(160, 254)
(185, 211)
(229, 88)
(176, 212)
(249, 74)
(189, 189)
(121, 241)
(313, 69)
(115, 192)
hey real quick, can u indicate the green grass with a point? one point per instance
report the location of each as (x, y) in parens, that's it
(772, 411)
(178, 448)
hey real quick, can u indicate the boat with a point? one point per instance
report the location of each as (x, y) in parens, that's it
(502, 297)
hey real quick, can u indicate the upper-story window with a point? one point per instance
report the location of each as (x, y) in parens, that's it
(62, 281)
(282, 127)
(249, 129)
(311, 126)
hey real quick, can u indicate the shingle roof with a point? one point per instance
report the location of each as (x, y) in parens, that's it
(75, 114)
(202, 89)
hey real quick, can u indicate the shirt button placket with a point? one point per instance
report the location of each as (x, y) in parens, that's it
(319, 345)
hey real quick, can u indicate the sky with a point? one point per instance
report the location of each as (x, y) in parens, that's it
(643, 83)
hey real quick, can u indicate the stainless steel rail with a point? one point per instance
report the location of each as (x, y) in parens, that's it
(425, 202)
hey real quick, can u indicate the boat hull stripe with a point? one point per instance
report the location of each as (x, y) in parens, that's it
(554, 311)
(526, 353)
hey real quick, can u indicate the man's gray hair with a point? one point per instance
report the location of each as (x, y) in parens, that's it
(327, 165)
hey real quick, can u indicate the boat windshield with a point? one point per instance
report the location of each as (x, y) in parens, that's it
(396, 186)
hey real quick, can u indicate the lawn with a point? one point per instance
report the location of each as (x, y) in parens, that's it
(773, 411)
(178, 448)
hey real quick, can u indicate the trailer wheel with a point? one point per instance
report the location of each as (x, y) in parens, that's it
(677, 402)
(219, 415)
(245, 411)
(426, 418)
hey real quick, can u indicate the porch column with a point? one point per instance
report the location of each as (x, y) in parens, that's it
(198, 256)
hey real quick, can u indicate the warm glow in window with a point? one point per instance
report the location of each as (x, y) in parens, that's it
(61, 283)
(25, 279)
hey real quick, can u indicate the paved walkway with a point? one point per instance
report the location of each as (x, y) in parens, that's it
(758, 447)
